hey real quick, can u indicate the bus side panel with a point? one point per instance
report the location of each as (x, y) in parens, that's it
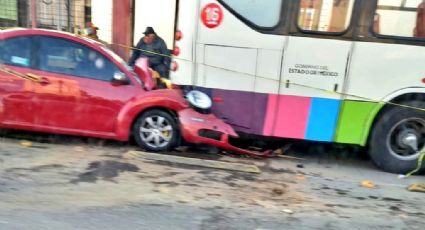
(323, 119)
(240, 59)
(241, 65)
(355, 121)
(232, 32)
(393, 67)
(301, 117)
(277, 115)
(245, 111)
(291, 116)
(315, 67)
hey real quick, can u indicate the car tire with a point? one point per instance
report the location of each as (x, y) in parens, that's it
(156, 131)
(398, 137)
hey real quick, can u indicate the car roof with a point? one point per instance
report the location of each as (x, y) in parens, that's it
(17, 32)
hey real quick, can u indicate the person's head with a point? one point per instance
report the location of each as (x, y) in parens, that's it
(91, 29)
(149, 35)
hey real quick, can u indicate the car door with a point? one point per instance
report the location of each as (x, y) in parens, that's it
(77, 94)
(16, 88)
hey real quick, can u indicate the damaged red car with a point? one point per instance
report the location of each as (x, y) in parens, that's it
(59, 83)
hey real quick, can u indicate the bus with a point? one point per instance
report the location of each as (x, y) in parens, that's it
(341, 71)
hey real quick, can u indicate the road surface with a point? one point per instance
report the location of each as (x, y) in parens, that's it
(76, 183)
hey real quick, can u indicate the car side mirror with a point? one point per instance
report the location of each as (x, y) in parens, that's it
(119, 78)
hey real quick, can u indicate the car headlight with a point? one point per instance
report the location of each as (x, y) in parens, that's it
(199, 99)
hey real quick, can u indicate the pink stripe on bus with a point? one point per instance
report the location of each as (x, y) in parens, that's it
(292, 117)
(270, 115)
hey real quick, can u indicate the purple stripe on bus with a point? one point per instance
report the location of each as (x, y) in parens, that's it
(245, 111)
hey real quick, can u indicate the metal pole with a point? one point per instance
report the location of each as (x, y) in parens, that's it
(68, 2)
(33, 14)
(59, 6)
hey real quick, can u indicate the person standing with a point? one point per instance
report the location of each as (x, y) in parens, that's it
(154, 48)
(91, 31)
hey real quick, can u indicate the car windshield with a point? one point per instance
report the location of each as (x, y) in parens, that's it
(122, 62)
(116, 57)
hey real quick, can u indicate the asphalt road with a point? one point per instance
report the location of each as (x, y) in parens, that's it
(77, 183)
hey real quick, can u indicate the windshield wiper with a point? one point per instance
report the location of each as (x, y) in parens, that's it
(28, 76)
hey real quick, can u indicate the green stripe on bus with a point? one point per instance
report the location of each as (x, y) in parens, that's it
(355, 121)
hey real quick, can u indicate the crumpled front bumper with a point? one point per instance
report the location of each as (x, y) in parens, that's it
(208, 129)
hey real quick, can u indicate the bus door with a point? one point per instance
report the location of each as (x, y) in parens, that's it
(314, 69)
(239, 52)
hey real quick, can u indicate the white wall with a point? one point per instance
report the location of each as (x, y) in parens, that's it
(159, 14)
(102, 18)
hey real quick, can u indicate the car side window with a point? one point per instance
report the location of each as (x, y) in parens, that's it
(16, 51)
(70, 58)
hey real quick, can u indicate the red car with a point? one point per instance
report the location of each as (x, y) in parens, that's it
(60, 83)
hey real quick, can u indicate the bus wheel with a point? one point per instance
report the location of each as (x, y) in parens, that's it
(398, 138)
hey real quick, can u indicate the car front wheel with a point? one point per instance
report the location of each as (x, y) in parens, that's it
(156, 131)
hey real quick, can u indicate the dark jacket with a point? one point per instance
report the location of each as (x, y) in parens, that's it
(157, 46)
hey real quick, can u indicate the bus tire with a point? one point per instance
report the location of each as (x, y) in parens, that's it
(398, 138)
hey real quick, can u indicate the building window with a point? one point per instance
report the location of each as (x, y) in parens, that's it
(8, 13)
(325, 15)
(402, 18)
(259, 12)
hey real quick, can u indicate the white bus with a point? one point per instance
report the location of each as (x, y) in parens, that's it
(318, 70)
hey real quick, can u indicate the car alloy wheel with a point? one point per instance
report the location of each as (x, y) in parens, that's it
(156, 131)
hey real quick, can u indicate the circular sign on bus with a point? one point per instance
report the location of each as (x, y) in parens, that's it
(212, 15)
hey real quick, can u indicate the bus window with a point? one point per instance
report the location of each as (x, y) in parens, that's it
(402, 18)
(377, 23)
(325, 15)
(253, 11)
(420, 21)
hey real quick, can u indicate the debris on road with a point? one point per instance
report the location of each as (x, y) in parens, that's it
(281, 153)
(79, 149)
(278, 191)
(416, 187)
(291, 158)
(194, 162)
(26, 143)
(289, 211)
(367, 184)
(300, 177)
(264, 204)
